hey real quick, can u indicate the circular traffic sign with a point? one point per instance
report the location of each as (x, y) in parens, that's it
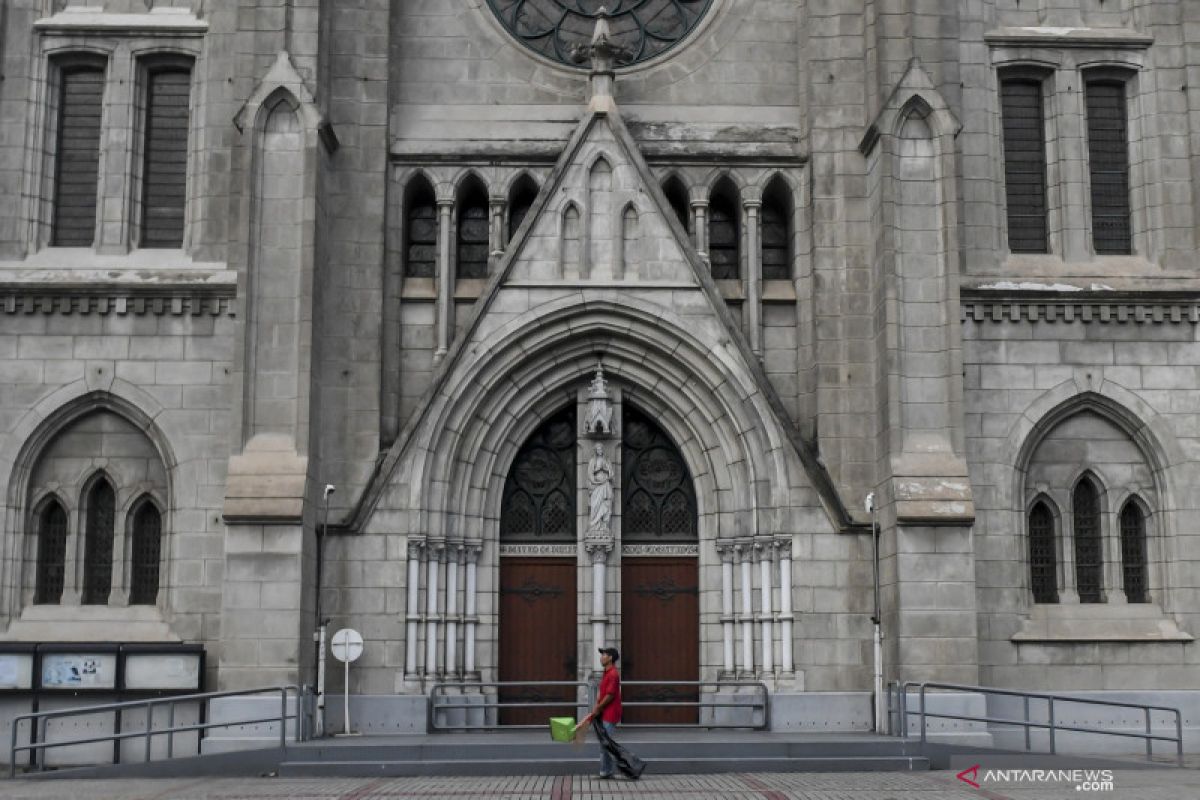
(347, 645)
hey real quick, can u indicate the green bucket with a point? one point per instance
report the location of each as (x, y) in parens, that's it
(562, 729)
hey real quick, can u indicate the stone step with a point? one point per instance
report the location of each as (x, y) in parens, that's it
(585, 766)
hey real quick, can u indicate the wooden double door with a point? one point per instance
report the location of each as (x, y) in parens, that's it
(660, 635)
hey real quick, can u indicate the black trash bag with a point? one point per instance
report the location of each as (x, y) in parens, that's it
(630, 765)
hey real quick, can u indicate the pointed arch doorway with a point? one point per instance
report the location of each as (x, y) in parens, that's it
(660, 586)
(536, 640)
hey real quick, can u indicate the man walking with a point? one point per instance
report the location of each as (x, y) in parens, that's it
(605, 717)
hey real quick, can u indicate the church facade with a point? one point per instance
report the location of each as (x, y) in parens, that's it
(501, 331)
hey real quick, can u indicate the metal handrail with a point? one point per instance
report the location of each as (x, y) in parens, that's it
(1051, 725)
(759, 687)
(481, 700)
(440, 701)
(39, 719)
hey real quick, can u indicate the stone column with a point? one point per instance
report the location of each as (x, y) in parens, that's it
(753, 276)
(783, 551)
(700, 221)
(455, 555)
(496, 226)
(598, 553)
(764, 552)
(744, 552)
(471, 619)
(435, 554)
(726, 552)
(445, 291)
(413, 610)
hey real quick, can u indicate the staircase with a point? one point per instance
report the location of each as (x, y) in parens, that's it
(666, 751)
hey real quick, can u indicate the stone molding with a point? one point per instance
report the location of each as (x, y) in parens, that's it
(537, 549)
(109, 292)
(660, 550)
(1082, 307)
(88, 19)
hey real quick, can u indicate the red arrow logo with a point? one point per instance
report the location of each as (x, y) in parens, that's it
(969, 775)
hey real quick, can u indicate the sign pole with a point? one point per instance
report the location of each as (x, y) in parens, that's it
(347, 646)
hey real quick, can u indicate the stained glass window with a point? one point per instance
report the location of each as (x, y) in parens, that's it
(147, 547)
(642, 29)
(52, 554)
(98, 549)
(1089, 560)
(1133, 552)
(1043, 558)
(658, 501)
(539, 494)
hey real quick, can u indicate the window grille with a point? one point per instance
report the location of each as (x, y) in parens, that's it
(724, 236)
(78, 155)
(146, 551)
(1024, 164)
(98, 549)
(658, 499)
(1108, 160)
(1133, 553)
(473, 237)
(1089, 560)
(1043, 556)
(164, 175)
(52, 554)
(421, 232)
(539, 494)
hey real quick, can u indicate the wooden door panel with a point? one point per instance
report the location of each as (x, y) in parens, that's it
(537, 635)
(660, 635)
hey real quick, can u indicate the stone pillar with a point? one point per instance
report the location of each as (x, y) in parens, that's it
(783, 552)
(471, 619)
(700, 221)
(725, 550)
(753, 276)
(496, 226)
(599, 557)
(413, 610)
(445, 290)
(744, 552)
(764, 552)
(435, 554)
(455, 555)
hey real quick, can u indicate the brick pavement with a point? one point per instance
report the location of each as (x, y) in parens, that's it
(1162, 784)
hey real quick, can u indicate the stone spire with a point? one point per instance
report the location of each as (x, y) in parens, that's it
(602, 52)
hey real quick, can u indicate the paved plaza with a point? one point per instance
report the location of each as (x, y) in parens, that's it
(1158, 784)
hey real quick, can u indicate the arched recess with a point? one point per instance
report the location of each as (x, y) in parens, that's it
(778, 212)
(536, 615)
(520, 199)
(677, 195)
(1131, 527)
(420, 228)
(143, 553)
(660, 578)
(472, 229)
(126, 448)
(448, 471)
(99, 511)
(1090, 440)
(725, 230)
(50, 551)
(1044, 543)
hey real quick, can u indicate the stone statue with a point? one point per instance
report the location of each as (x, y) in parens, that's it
(600, 411)
(600, 502)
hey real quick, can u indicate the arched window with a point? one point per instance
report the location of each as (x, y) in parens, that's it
(520, 200)
(144, 555)
(473, 230)
(98, 545)
(420, 230)
(777, 231)
(677, 196)
(1043, 556)
(1133, 552)
(659, 500)
(538, 504)
(51, 553)
(724, 231)
(1089, 558)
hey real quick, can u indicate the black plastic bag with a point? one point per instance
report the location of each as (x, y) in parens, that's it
(630, 765)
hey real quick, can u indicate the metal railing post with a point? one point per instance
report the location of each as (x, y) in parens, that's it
(283, 718)
(1149, 741)
(1050, 710)
(1178, 738)
(149, 727)
(12, 751)
(922, 713)
(1028, 743)
(171, 731)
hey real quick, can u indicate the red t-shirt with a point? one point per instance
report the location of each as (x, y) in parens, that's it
(610, 683)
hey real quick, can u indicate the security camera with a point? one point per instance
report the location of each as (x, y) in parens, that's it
(329, 489)
(870, 502)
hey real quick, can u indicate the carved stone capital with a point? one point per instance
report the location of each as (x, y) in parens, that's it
(436, 549)
(471, 552)
(783, 546)
(598, 551)
(415, 546)
(726, 551)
